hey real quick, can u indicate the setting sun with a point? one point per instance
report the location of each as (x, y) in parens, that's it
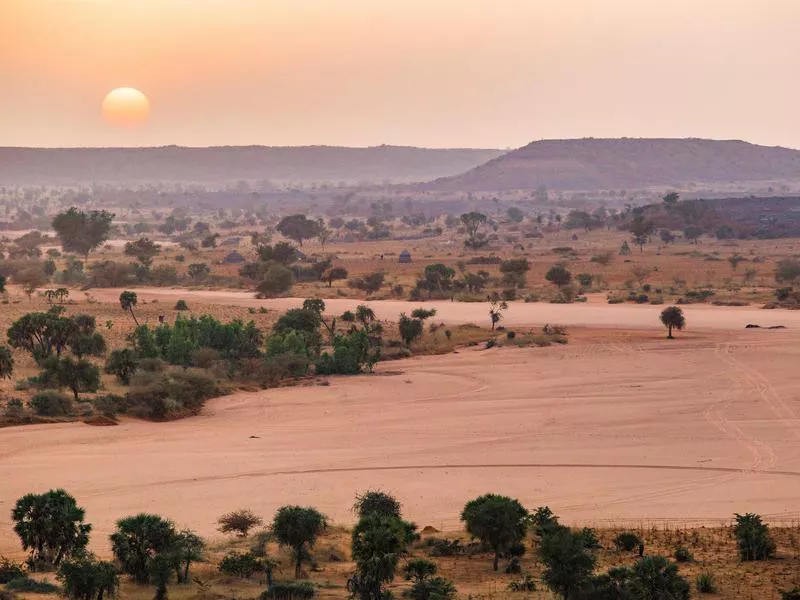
(126, 107)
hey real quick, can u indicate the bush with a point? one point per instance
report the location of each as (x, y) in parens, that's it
(683, 555)
(792, 594)
(9, 570)
(627, 541)
(526, 584)
(181, 305)
(277, 280)
(705, 583)
(240, 565)
(31, 586)
(164, 275)
(110, 405)
(445, 547)
(51, 403)
(435, 588)
(239, 522)
(152, 365)
(171, 395)
(289, 590)
(752, 538)
(205, 358)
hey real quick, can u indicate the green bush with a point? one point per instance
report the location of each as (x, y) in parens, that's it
(31, 586)
(752, 538)
(683, 555)
(205, 358)
(526, 584)
(110, 405)
(240, 565)
(705, 583)
(181, 305)
(51, 403)
(170, 395)
(10, 570)
(289, 590)
(627, 541)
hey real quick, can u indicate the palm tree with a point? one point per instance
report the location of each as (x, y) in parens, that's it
(127, 300)
(672, 318)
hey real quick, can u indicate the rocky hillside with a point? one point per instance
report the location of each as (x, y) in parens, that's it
(615, 164)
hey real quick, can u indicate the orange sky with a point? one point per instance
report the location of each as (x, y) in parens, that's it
(488, 73)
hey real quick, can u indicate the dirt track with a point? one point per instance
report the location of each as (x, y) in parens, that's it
(606, 431)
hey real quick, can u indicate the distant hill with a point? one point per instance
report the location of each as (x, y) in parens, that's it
(322, 164)
(615, 164)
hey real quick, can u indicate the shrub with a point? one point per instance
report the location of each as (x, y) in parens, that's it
(752, 538)
(289, 590)
(787, 270)
(181, 305)
(31, 586)
(445, 547)
(526, 584)
(170, 395)
(204, 358)
(152, 365)
(435, 588)
(683, 555)
(9, 570)
(705, 583)
(240, 565)
(498, 521)
(376, 501)
(110, 405)
(627, 541)
(792, 594)
(164, 275)
(239, 522)
(51, 403)
(122, 364)
(277, 280)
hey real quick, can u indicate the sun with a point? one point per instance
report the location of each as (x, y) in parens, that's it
(126, 107)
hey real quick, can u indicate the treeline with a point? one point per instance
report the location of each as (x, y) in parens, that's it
(151, 550)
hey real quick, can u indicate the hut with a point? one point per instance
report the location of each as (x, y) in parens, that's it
(405, 257)
(233, 258)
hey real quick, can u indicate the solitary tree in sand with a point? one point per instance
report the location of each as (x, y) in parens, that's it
(672, 318)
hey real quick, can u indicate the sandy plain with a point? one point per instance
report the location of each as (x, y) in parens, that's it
(616, 427)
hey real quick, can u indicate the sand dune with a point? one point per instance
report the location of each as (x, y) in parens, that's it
(609, 431)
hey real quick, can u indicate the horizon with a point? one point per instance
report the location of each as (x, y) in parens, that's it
(467, 74)
(397, 146)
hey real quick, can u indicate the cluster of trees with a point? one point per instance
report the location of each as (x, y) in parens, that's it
(151, 550)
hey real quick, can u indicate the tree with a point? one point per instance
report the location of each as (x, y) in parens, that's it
(641, 230)
(376, 502)
(666, 236)
(122, 364)
(239, 522)
(30, 279)
(625, 249)
(6, 363)
(86, 578)
(437, 278)
(752, 538)
(82, 232)
(298, 528)
(496, 308)
(137, 542)
(410, 329)
(78, 376)
(378, 543)
(671, 198)
(370, 283)
(640, 273)
(568, 564)
(515, 214)
(282, 252)
(472, 222)
(558, 275)
(334, 274)
(672, 318)
(187, 547)
(419, 569)
(277, 280)
(498, 521)
(323, 233)
(298, 228)
(734, 261)
(657, 577)
(41, 334)
(127, 301)
(51, 526)
(514, 270)
(198, 271)
(144, 250)
(692, 233)
(787, 270)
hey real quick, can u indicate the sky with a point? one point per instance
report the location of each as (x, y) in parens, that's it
(436, 73)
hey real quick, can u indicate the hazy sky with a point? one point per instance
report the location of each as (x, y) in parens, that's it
(442, 73)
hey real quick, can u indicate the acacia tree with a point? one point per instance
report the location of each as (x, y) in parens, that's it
(239, 522)
(77, 375)
(82, 232)
(123, 364)
(376, 502)
(298, 228)
(298, 528)
(558, 275)
(127, 301)
(51, 526)
(496, 308)
(334, 274)
(472, 222)
(144, 250)
(672, 318)
(641, 230)
(498, 521)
